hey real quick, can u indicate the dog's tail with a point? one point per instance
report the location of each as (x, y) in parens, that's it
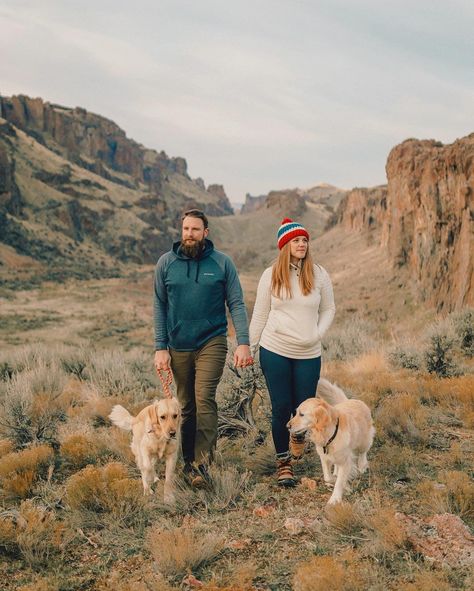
(330, 393)
(121, 417)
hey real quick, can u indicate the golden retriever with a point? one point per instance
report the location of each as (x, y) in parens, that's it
(156, 432)
(340, 428)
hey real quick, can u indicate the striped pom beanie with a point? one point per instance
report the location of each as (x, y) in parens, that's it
(289, 230)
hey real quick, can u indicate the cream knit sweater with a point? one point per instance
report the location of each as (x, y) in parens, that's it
(292, 327)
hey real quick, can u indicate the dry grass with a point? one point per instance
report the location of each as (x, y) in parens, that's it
(453, 494)
(402, 418)
(347, 572)
(427, 581)
(182, 549)
(19, 471)
(34, 532)
(6, 447)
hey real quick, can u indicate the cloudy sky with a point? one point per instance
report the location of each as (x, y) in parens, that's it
(255, 94)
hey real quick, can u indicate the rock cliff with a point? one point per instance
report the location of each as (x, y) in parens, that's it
(430, 214)
(426, 215)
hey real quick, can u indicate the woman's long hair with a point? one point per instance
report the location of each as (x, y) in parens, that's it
(281, 273)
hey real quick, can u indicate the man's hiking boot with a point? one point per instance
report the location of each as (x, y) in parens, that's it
(297, 445)
(196, 477)
(285, 476)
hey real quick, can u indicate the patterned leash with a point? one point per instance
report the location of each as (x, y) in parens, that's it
(166, 382)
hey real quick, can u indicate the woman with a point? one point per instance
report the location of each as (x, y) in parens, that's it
(293, 310)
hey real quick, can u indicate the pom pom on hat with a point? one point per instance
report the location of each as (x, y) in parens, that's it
(289, 230)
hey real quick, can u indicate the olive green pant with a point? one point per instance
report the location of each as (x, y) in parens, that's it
(197, 374)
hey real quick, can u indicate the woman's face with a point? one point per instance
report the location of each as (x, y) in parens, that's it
(298, 247)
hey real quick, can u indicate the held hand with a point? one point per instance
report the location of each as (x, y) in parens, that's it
(162, 360)
(242, 356)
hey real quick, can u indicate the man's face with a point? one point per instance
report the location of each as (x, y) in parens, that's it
(193, 235)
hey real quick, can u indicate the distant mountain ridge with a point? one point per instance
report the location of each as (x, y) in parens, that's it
(72, 182)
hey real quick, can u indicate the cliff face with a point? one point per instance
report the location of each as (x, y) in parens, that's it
(75, 191)
(430, 215)
(363, 209)
(425, 215)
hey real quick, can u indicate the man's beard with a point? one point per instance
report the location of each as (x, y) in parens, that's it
(192, 249)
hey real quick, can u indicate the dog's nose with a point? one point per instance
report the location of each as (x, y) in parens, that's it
(172, 433)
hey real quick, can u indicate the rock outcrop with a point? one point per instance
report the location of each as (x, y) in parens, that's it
(286, 203)
(363, 209)
(430, 214)
(425, 214)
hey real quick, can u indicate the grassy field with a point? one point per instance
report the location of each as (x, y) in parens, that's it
(72, 511)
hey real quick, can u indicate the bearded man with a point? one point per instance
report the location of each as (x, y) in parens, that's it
(193, 282)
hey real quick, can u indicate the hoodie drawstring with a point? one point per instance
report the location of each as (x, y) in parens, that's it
(197, 271)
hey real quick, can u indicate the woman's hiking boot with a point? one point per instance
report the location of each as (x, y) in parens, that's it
(285, 476)
(297, 445)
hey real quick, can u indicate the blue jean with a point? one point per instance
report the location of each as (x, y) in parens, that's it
(289, 382)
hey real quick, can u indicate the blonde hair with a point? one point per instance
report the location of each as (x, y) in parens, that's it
(281, 274)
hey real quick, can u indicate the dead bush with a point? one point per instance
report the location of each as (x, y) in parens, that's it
(19, 471)
(179, 550)
(386, 535)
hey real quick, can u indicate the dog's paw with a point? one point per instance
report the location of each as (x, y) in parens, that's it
(334, 500)
(330, 483)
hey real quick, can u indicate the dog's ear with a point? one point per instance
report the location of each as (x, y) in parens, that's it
(321, 416)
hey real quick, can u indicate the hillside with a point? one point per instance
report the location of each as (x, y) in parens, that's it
(81, 199)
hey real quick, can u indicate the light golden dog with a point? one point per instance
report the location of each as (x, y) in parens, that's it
(155, 436)
(340, 432)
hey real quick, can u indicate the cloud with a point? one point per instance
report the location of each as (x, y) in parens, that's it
(255, 95)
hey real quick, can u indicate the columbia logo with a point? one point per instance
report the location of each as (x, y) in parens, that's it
(209, 274)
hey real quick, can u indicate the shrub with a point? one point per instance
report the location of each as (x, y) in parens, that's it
(113, 374)
(182, 549)
(33, 405)
(464, 329)
(107, 490)
(19, 471)
(439, 351)
(406, 357)
(426, 581)
(79, 449)
(351, 340)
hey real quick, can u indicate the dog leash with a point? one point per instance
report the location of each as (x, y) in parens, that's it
(166, 382)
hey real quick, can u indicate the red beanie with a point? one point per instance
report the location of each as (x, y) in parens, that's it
(289, 230)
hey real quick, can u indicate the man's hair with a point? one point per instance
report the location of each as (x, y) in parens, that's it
(196, 213)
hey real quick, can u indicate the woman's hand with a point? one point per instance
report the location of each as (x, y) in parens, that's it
(242, 356)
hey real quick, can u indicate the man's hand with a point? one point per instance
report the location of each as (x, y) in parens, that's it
(242, 356)
(162, 360)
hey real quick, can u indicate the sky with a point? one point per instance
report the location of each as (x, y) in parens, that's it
(256, 94)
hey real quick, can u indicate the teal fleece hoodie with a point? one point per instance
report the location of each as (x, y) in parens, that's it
(190, 297)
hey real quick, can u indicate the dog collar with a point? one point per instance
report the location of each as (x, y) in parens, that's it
(325, 447)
